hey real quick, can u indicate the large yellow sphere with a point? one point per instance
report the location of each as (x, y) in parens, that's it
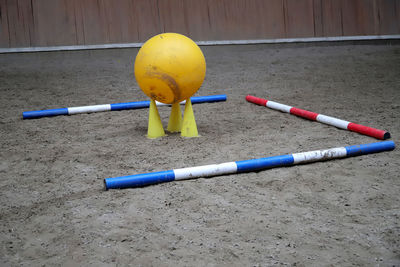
(170, 68)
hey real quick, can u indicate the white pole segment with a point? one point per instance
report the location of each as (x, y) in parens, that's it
(88, 109)
(205, 171)
(158, 104)
(318, 155)
(333, 121)
(278, 106)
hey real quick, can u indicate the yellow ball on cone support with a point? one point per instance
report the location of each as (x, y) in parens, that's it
(170, 68)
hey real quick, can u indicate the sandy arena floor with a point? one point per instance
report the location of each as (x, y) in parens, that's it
(54, 210)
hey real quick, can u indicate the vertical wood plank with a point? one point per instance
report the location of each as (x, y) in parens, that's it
(14, 24)
(358, 17)
(218, 19)
(398, 12)
(20, 22)
(4, 33)
(119, 21)
(102, 21)
(235, 15)
(148, 20)
(79, 25)
(300, 18)
(69, 24)
(318, 25)
(349, 17)
(245, 19)
(272, 18)
(388, 19)
(332, 18)
(132, 23)
(94, 24)
(264, 19)
(26, 13)
(54, 22)
(375, 13)
(172, 16)
(227, 19)
(197, 19)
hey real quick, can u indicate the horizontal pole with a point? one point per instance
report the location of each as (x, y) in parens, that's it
(139, 180)
(112, 107)
(342, 124)
(211, 42)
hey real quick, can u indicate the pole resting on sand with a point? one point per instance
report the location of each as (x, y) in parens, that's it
(342, 124)
(112, 107)
(139, 180)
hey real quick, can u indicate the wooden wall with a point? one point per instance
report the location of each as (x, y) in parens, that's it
(27, 23)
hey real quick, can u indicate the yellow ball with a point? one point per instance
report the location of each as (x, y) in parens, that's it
(170, 68)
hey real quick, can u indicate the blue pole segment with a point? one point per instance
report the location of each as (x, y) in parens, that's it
(146, 104)
(44, 113)
(139, 180)
(130, 105)
(369, 148)
(264, 163)
(209, 99)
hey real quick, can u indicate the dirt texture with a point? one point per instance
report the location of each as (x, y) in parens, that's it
(54, 211)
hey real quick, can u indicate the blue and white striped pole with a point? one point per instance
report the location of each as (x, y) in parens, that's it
(112, 107)
(144, 179)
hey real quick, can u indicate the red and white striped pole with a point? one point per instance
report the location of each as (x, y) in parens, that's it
(342, 124)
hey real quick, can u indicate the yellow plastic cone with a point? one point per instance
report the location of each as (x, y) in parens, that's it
(175, 119)
(155, 128)
(189, 127)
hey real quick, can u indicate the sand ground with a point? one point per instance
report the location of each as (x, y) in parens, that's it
(54, 211)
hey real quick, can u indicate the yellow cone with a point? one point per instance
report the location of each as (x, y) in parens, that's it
(155, 128)
(175, 119)
(189, 127)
